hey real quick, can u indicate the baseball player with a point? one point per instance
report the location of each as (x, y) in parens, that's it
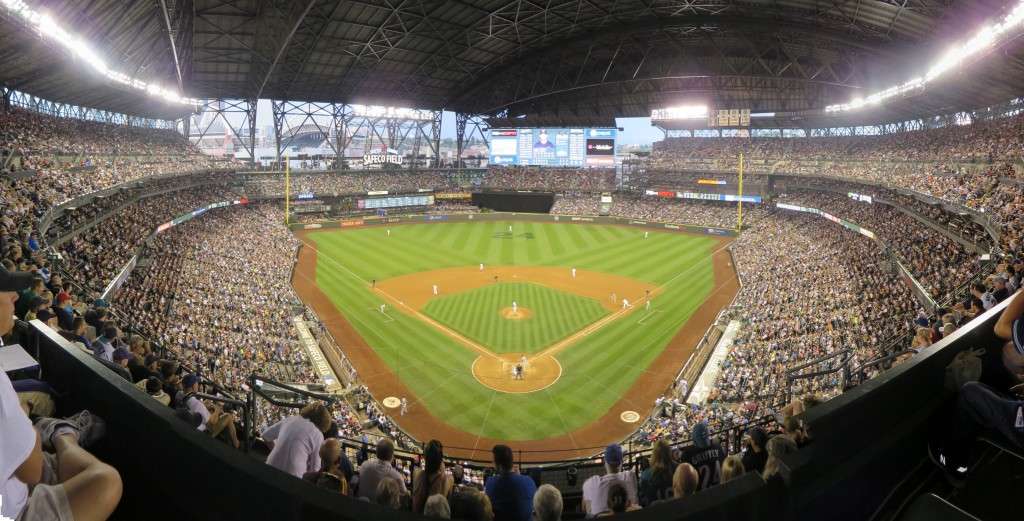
(647, 305)
(435, 290)
(645, 234)
(405, 406)
(510, 228)
(389, 232)
(515, 307)
(625, 304)
(481, 266)
(382, 308)
(373, 283)
(574, 273)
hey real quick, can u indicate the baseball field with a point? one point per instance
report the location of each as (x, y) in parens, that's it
(598, 319)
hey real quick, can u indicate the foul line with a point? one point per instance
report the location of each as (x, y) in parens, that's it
(554, 348)
(648, 315)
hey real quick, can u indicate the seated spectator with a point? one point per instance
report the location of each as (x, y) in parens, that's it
(755, 455)
(71, 485)
(389, 493)
(372, 471)
(732, 468)
(706, 455)
(656, 480)
(595, 489)
(296, 440)
(437, 506)
(685, 481)
(774, 467)
(432, 479)
(330, 476)
(547, 504)
(154, 387)
(618, 500)
(471, 504)
(511, 493)
(186, 399)
(103, 347)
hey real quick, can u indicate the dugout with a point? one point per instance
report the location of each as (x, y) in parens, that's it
(868, 441)
(530, 202)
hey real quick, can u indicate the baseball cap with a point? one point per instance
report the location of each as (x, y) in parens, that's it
(190, 380)
(121, 354)
(1018, 335)
(613, 454)
(14, 280)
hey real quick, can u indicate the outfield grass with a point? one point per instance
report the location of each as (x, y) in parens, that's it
(596, 371)
(476, 314)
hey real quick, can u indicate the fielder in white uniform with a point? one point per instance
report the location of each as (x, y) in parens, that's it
(574, 273)
(625, 304)
(481, 266)
(645, 234)
(435, 290)
(389, 232)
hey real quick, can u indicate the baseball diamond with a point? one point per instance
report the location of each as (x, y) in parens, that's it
(584, 354)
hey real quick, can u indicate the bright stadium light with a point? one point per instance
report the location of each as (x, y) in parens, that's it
(48, 28)
(680, 112)
(954, 58)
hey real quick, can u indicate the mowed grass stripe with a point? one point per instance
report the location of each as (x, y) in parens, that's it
(435, 365)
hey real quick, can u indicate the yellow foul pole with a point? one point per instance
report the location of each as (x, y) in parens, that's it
(739, 201)
(287, 189)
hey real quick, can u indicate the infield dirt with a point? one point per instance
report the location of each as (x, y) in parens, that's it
(585, 441)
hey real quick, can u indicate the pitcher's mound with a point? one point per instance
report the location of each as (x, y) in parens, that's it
(496, 372)
(520, 313)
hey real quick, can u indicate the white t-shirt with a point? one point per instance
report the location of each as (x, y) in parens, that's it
(17, 439)
(296, 445)
(595, 490)
(196, 405)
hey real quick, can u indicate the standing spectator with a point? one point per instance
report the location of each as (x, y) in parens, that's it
(373, 471)
(296, 440)
(656, 480)
(432, 479)
(595, 489)
(547, 504)
(511, 493)
(706, 456)
(778, 447)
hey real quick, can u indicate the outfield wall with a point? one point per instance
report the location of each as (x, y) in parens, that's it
(507, 216)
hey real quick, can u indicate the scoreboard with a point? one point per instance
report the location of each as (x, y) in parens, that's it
(567, 147)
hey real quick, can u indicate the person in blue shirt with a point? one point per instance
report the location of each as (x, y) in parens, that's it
(511, 493)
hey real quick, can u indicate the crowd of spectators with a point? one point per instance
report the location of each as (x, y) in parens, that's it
(222, 307)
(680, 211)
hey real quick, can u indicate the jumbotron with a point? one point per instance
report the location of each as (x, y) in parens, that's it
(643, 261)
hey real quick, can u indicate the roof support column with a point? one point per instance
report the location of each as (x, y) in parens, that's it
(435, 137)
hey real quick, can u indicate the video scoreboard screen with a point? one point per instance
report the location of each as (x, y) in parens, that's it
(395, 202)
(572, 147)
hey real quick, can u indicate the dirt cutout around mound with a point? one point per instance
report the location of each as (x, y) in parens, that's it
(520, 313)
(583, 442)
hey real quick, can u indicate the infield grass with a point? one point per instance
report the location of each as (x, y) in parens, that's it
(597, 370)
(477, 314)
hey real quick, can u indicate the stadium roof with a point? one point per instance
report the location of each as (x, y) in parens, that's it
(567, 61)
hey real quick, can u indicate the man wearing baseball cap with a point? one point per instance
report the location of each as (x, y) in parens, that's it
(89, 490)
(595, 489)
